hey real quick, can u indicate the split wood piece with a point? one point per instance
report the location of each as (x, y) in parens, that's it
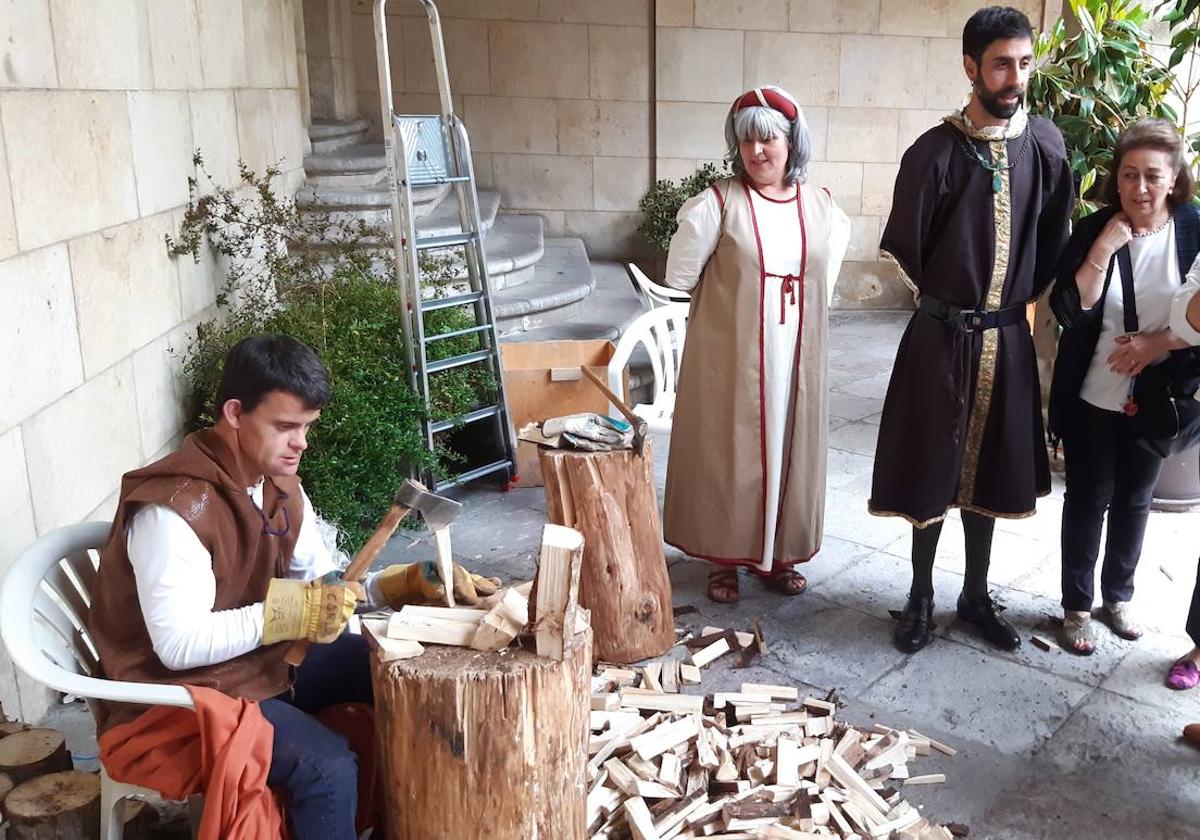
(393, 650)
(445, 562)
(819, 706)
(1043, 643)
(929, 779)
(610, 498)
(620, 677)
(471, 615)
(508, 728)
(937, 745)
(683, 704)
(670, 676)
(650, 677)
(670, 769)
(668, 736)
(854, 784)
(621, 742)
(503, 623)
(741, 637)
(601, 803)
(703, 657)
(775, 692)
(633, 785)
(606, 702)
(640, 821)
(557, 589)
(63, 805)
(689, 674)
(411, 624)
(33, 752)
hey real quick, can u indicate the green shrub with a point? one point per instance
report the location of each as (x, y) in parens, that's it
(342, 302)
(661, 204)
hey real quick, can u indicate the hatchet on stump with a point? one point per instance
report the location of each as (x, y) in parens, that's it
(437, 511)
(640, 427)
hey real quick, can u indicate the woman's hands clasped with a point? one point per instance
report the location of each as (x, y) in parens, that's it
(1135, 352)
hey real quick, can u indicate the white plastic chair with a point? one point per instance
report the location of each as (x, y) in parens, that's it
(653, 294)
(44, 604)
(662, 330)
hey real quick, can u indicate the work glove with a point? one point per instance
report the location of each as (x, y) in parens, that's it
(314, 610)
(418, 583)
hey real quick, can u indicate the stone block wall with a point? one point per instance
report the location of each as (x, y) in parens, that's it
(101, 106)
(556, 95)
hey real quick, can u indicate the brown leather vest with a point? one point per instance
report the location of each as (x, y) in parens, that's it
(202, 483)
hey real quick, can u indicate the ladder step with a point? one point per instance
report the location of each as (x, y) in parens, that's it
(458, 361)
(453, 300)
(470, 417)
(425, 243)
(432, 182)
(471, 475)
(456, 333)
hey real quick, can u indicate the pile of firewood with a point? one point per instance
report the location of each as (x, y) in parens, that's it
(757, 763)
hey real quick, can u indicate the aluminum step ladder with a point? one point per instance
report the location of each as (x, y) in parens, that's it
(428, 150)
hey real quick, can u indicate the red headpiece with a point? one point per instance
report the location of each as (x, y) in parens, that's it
(762, 97)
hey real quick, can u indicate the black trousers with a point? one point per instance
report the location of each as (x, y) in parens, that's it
(1193, 621)
(1106, 471)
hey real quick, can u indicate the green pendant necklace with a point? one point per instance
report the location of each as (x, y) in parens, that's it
(994, 167)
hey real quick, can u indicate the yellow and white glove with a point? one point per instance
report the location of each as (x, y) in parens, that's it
(418, 583)
(314, 610)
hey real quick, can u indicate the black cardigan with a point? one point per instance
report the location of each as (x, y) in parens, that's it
(1081, 328)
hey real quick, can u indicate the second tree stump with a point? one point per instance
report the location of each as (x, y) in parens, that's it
(609, 497)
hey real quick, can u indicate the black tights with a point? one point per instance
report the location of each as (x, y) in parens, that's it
(978, 532)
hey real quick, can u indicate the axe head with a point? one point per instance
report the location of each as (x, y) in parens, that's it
(437, 511)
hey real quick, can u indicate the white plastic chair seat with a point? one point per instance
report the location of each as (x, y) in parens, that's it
(662, 331)
(653, 294)
(45, 600)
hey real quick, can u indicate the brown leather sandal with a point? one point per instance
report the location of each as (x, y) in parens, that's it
(723, 586)
(788, 582)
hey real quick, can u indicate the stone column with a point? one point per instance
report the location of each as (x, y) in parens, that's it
(327, 38)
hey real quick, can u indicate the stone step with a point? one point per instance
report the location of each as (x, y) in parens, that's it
(330, 135)
(373, 203)
(443, 219)
(514, 246)
(359, 164)
(562, 282)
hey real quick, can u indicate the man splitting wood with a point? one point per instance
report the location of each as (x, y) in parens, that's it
(214, 566)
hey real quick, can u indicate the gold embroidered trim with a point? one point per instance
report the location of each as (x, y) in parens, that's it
(917, 523)
(912, 287)
(986, 379)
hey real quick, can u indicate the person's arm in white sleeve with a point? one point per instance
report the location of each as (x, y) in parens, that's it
(839, 241)
(694, 242)
(312, 557)
(177, 591)
(1185, 307)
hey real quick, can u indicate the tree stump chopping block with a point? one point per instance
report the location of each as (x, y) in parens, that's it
(485, 743)
(57, 806)
(33, 752)
(609, 497)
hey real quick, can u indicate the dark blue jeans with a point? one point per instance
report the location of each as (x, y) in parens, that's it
(312, 767)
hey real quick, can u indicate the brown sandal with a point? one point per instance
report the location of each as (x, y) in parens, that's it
(788, 582)
(723, 586)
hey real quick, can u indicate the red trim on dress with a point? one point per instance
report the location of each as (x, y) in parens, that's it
(720, 198)
(799, 346)
(762, 384)
(754, 187)
(740, 561)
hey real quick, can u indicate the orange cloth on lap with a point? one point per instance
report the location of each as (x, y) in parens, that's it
(221, 750)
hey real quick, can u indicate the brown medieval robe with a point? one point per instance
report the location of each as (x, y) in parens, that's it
(962, 421)
(746, 474)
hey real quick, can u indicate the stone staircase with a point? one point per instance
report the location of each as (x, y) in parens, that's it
(537, 282)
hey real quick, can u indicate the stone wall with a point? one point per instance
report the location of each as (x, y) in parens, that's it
(576, 107)
(556, 95)
(101, 105)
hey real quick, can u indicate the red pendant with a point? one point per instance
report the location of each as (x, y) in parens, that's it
(1130, 408)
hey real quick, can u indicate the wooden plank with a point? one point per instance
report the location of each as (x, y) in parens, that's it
(775, 692)
(689, 674)
(404, 625)
(854, 783)
(928, 779)
(937, 745)
(557, 587)
(665, 737)
(684, 704)
(468, 614)
(639, 819)
(703, 657)
(503, 623)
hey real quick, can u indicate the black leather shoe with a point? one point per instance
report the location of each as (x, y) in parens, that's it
(984, 614)
(915, 628)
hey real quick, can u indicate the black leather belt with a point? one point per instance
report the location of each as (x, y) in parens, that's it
(970, 319)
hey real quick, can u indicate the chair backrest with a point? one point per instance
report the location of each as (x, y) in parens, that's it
(45, 599)
(654, 294)
(662, 330)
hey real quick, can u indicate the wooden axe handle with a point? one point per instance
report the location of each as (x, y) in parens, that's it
(612, 398)
(357, 568)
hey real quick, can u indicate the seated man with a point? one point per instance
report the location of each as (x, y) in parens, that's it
(216, 564)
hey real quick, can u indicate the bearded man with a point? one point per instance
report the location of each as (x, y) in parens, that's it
(981, 210)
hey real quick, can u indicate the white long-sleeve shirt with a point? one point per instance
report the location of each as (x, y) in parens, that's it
(177, 589)
(1179, 304)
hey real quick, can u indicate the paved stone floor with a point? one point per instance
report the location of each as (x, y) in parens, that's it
(1050, 745)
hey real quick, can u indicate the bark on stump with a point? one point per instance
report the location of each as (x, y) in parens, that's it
(609, 497)
(34, 752)
(6, 784)
(57, 806)
(476, 743)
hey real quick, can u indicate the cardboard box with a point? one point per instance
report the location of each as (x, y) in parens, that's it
(533, 380)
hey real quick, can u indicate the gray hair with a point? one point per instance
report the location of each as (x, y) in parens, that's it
(762, 124)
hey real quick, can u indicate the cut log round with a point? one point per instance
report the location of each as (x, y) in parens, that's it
(10, 727)
(485, 738)
(57, 806)
(6, 784)
(34, 752)
(609, 497)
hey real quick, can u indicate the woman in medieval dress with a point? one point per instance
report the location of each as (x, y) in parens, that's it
(760, 252)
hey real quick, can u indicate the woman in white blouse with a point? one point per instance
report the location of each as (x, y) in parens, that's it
(760, 253)
(1148, 230)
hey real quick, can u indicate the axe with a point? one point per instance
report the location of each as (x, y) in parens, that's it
(640, 428)
(437, 511)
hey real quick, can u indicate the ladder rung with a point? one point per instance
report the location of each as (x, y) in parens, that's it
(447, 302)
(470, 417)
(471, 475)
(458, 361)
(430, 182)
(450, 240)
(481, 328)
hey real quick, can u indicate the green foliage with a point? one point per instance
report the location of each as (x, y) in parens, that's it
(661, 204)
(341, 301)
(1095, 83)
